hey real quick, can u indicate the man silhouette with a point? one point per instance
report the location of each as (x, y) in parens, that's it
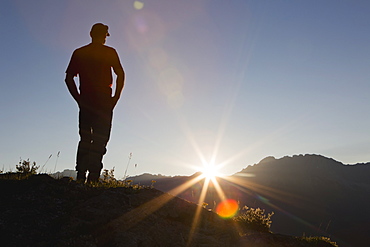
(93, 64)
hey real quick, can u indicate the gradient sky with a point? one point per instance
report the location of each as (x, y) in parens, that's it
(236, 80)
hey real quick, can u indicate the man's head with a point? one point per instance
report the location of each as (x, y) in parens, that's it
(99, 32)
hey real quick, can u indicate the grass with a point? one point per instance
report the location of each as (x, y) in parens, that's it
(254, 219)
(26, 169)
(318, 240)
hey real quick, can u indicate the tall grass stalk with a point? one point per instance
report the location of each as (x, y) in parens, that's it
(42, 168)
(128, 163)
(55, 167)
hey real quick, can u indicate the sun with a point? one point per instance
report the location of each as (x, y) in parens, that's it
(210, 171)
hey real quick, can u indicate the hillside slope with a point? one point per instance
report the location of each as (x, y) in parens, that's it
(42, 211)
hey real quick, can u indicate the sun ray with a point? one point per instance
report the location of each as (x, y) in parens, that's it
(190, 137)
(197, 212)
(176, 191)
(263, 192)
(209, 168)
(218, 188)
(136, 215)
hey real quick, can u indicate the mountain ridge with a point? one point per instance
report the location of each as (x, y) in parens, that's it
(310, 195)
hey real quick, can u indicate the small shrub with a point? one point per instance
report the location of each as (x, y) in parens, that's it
(254, 219)
(25, 167)
(108, 175)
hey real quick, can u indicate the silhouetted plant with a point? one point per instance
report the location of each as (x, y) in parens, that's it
(56, 162)
(109, 181)
(153, 182)
(128, 163)
(254, 219)
(25, 167)
(42, 168)
(317, 240)
(108, 175)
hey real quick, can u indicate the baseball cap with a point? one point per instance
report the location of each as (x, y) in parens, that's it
(99, 28)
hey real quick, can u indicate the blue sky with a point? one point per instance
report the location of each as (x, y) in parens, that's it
(231, 80)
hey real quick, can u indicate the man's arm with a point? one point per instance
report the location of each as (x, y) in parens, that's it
(71, 85)
(120, 82)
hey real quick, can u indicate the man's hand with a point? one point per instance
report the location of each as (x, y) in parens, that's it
(71, 85)
(120, 83)
(114, 102)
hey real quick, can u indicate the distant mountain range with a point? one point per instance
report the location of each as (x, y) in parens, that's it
(309, 194)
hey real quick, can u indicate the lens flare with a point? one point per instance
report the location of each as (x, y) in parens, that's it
(227, 208)
(138, 5)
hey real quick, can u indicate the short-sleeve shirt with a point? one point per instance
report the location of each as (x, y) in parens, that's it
(93, 64)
